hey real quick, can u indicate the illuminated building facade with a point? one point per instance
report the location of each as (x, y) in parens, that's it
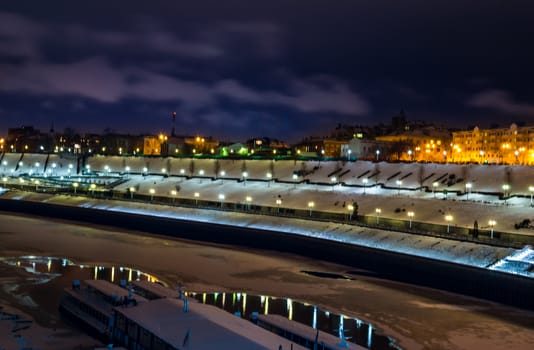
(513, 145)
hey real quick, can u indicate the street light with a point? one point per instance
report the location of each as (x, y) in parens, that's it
(223, 173)
(269, 178)
(200, 173)
(505, 188)
(152, 191)
(410, 217)
(531, 189)
(173, 194)
(221, 198)
(295, 177)
(145, 170)
(365, 181)
(311, 205)
(245, 174)
(468, 189)
(350, 208)
(399, 183)
(248, 199)
(196, 195)
(377, 154)
(127, 168)
(434, 188)
(37, 185)
(410, 154)
(448, 218)
(278, 203)
(92, 187)
(492, 224)
(132, 190)
(75, 185)
(333, 179)
(378, 211)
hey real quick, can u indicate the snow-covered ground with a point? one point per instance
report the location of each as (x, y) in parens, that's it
(467, 253)
(394, 188)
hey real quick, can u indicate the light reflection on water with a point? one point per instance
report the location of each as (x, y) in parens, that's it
(353, 329)
(52, 274)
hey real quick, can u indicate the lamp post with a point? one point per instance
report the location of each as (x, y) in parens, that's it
(448, 218)
(245, 174)
(531, 189)
(92, 187)
(468, 189)
(365, 181)
(435, 185)
(278, 203)
(269, 178)
(410, 217)
(295, 177)
(410, 155)
(37, 185)
(132, 190)
(221, 198)
(350, 208)
(152, 191)
(200, 173)
(145, 170)
(505, 189)
(333, 179)
(399, 183)
(75, 185)
(248, 199)
(223, 173)
(173, 194)
(310, 206)
(127, 169)
(492, 224)
(378, 211)
(377, 154)
(196, 195)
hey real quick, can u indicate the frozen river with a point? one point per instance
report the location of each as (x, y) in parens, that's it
(419, 318)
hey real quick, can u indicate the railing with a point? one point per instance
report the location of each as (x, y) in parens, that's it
(498, 238)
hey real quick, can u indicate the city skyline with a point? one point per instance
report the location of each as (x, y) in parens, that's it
(283, 69)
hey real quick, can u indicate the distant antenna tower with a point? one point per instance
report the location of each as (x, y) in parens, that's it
(173, 123)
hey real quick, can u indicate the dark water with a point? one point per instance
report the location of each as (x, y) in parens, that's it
(355, 330)
(51, 275)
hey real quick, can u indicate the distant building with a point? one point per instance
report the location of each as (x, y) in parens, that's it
(152, 145)
(512, 145)
(419, 143)
(322, 147)
(361, 149)
(27, 139)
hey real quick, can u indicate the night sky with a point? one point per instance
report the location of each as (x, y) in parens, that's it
(281, 68)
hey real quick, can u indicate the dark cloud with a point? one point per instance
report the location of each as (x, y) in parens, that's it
(290, 67)
(501, 101)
